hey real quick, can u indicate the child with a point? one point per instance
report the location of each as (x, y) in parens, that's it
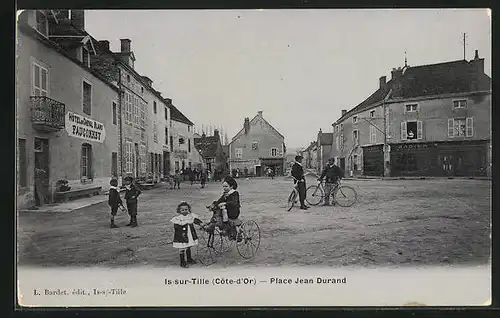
(184, 232)
(229, 203)
(114, 201)
(131, 194)
(177, 179)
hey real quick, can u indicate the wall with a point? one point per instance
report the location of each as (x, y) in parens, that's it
(65, 85)
(181, 152)
(156, 124)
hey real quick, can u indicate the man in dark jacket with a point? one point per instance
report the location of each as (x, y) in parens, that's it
(332, 173)
(131, 194)
(300, 180)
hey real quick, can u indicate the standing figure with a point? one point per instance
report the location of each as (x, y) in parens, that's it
(300, 180)
(203, 178)
(332, 173)
(177, 179)
(131, 195)
(184, 232)
(114, 201)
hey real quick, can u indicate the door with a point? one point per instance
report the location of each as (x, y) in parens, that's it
(258, 171)
(342, 164)
(42, 173)
(166, 163)
(137, 163)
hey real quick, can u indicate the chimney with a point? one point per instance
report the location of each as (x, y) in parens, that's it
(344, 111)
(78, 19)
(382, 81)
(125, 45)
(260, 113)
(104, 44)
(476, 55)
(396, 73)
(246, 125)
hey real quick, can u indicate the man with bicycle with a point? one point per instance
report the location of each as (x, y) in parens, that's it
(332, 173)
(300, 180)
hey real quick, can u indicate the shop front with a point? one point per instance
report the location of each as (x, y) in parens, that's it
(373, 160)
(440, 159)
(276, 165)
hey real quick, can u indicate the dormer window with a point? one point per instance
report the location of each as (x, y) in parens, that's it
(42, 25)
(354, 119)
(128, 78)
(85, 56)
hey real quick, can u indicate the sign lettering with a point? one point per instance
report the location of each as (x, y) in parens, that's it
(84, 128)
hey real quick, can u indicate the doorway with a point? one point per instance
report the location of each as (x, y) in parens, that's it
(342, 164)
(166, 163)
(258, 171)
(42, 173)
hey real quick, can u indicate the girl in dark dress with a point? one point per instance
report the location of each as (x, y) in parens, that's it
(184, 232)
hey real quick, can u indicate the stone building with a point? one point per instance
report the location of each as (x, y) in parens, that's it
(310, 156)
(257, 146)
(212, 151)
(67, 125)
(323, 149)
(435, 120)
(183, 153)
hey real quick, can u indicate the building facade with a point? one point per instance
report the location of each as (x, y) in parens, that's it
(323, 149)
(212, 152)
(432, 120)
(67, 123)
(256, 147)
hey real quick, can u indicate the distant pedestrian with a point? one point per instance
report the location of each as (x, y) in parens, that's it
(209, 175)
(132, 193)
(114, 201)
(191, 176)
(184, 233)
(177, 179)
(203, 178)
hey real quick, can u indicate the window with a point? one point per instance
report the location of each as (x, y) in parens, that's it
(354, 119)
(23, 164)
(355, 135)
(154, 107)
(142, 121)
(372, 113)
(40, 80)
(189, 145)
(238, 152)
(411, 108)
(166, 135)
(171, 143)
(355, 162)
(166, 113)
(181, 141)
(177, 166)
(341, 142)
(142, 90)
(42, 24)
(128, 108)
(274, 152)
(114, 164)
(337, 128)
(462, 103)
(155, 133)
(114, 113)
(255, 145)
(128, 78)
(373, 135)
(461, 127)
(411, 130)
(85, 56)
(337, 142)
(86, 163)
(129, 162)
(142, 153)
(87, 98)
(189, 128)
(341, 127)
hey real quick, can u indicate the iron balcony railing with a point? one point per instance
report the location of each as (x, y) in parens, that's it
(47, 113)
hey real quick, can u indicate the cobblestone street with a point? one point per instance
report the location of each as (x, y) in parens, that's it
(394, 222)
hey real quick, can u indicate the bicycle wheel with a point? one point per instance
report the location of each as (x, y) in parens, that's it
(345, 196)
(249, 239)
(291, 200)
(204, 251)
(220, 242)
(316, 195)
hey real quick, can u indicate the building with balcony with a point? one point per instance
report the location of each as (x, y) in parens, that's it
(434, 120)
(182, 149)
(67, 125)
(256, 147)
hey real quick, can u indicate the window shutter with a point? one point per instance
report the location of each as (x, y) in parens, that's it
(469, 126)
(419, 129)
(403, 131)
(450, 127)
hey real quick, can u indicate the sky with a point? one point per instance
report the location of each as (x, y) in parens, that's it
(300, 67)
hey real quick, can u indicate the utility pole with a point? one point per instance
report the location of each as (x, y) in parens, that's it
(464, 46)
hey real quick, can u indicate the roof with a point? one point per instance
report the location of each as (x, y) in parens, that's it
(207, 146)
(253, 119)
(326, 138)
(427, 80)
(311, 145)
(177, 115)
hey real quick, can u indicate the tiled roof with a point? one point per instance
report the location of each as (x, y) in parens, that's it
(253, 120)
(326, 139)
(177, 115)
(207, 146)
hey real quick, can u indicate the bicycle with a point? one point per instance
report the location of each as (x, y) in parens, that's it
(292, 198)
(343, 195)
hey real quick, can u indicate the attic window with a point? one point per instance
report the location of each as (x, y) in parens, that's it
(462, 103)
(128, 78)
(85, 56)
(411, 108)
(355, 119)
(372, 113)
(142, 91)
(42, 24)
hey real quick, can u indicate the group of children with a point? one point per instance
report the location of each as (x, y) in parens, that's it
(226, 212)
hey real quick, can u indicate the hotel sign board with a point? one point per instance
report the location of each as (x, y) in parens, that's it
(79, 126)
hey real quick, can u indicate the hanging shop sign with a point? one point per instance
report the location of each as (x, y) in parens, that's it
(85, 128)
